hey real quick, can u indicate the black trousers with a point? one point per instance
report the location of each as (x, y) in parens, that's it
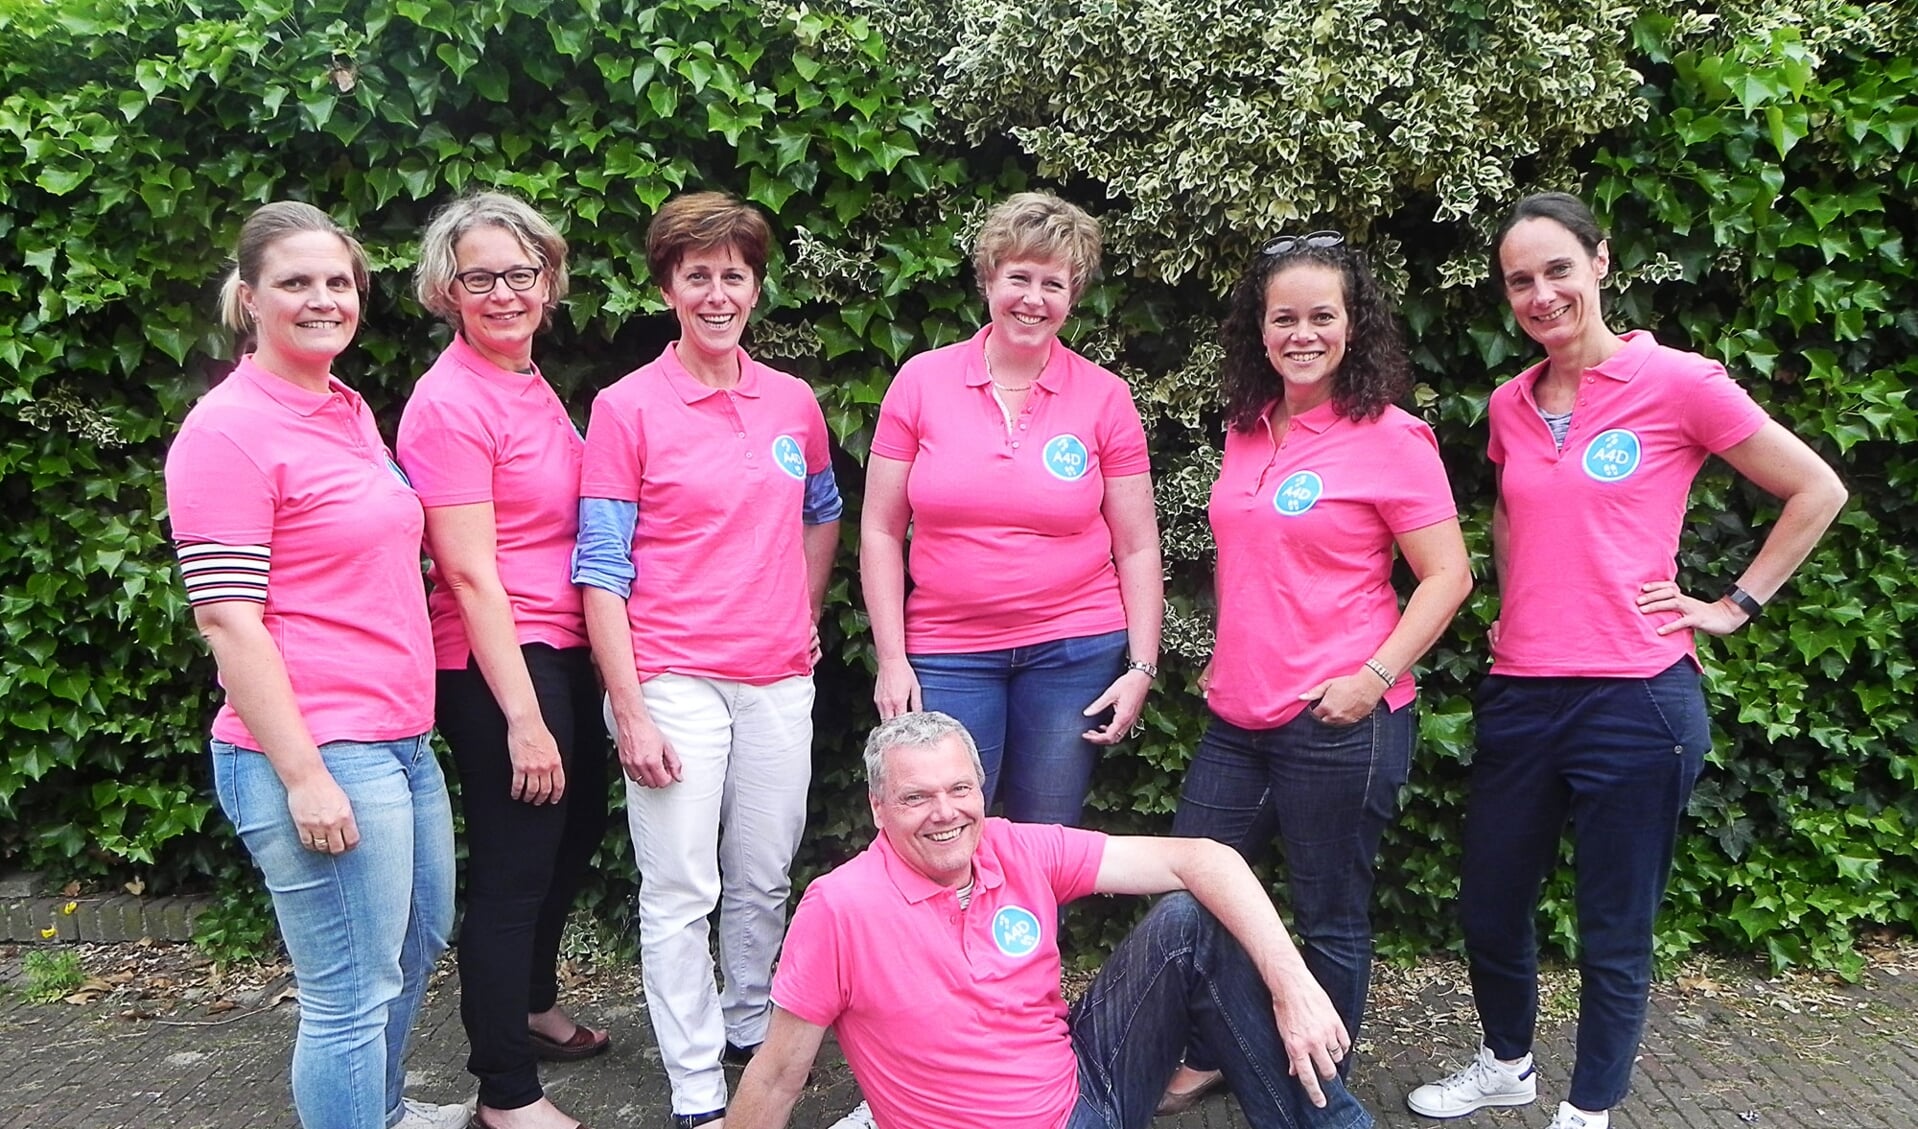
(524, 862)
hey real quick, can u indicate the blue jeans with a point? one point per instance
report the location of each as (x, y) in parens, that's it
(1025, 706)
(1328, 792)
(1179, 975)
(1618, 758)
(363, 927)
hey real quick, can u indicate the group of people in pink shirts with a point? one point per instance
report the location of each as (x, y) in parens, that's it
(654, 586)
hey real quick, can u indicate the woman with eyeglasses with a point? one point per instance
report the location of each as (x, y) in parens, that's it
(1310, 683)
(708, 524)
(1593, 711)
(1021, 469)
(496, 461)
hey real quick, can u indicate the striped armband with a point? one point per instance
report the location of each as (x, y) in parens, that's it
(214, 572)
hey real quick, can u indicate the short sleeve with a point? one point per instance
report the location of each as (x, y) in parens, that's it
(1719, 413)
(1122, 448)
(818, 439)
(811, 980)
(1070, 856)
(448, 452)
(615, 456)
(1497, 414)
(216, 492)
(1418, 493)
(896, 435)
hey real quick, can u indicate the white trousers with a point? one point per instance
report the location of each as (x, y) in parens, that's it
(722, 836)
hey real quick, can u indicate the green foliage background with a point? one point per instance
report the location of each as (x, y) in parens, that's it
(1755, 170)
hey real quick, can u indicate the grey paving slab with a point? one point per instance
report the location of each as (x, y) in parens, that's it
(1735, 1058)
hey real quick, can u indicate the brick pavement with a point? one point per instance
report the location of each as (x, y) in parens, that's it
(1739, 1052)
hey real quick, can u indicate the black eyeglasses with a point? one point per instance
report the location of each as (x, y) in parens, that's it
(484, 281)
(1286, 244)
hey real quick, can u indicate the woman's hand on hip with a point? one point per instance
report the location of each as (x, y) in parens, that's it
(1664, 596)
(896, 690)
(646, 756)
(1346, 700)
(1126, 699)
(323, 815)
(538, 775)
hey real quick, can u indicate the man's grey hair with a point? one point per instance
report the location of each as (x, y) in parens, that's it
(914, 731)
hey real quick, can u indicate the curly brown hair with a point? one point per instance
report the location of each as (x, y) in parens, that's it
(1375, 372)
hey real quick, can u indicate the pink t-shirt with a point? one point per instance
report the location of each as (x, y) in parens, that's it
(473, 432)
(1009, 546)
(1588, 525)
(949, 1017)
(720, 479)
(262, 462)
(1306, 523)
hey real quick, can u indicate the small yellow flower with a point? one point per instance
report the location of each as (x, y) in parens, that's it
(69, 907)
(49, 932)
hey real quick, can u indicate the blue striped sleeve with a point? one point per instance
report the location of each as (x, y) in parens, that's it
(823, 503)
(214, 572)
(603, 551)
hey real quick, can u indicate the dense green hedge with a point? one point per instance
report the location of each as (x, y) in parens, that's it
(1756, 173)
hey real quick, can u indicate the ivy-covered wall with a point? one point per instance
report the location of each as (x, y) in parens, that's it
(1755, 170)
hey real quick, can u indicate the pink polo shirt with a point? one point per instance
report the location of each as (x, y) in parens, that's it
(1306, 523)
(262, 462)
(720, 479)
(473, 432)
(1588, 525)
(1008, 543)
(949, 1017)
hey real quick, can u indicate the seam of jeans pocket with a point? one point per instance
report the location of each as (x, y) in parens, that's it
(1645, 687)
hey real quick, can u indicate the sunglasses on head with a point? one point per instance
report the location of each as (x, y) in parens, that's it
(1286, 244)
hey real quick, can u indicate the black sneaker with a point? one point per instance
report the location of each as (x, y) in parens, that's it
(693, 1120)
(737, 1056)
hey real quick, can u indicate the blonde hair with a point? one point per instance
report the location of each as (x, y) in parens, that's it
(1037, 227)
(433, 278)
(269, 224)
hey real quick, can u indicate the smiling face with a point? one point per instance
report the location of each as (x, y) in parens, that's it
(1029, 301)
(499, 324)
(934, 809)
(1551, 281)
(1304, 330)
(712, 292)
(304, 305)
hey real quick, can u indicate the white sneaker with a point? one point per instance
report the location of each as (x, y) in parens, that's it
(859, 1118)
(1486, 1082)
(425, 1115)
(1570, 1118)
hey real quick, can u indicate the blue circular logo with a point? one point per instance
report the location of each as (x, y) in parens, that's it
(1613, 455)
(1015, 930)
(1298, 493)
(790, 458)
(1066, 458)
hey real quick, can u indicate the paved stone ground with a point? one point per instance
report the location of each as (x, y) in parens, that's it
(1725, 1049)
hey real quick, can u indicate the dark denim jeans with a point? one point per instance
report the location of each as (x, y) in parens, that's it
(1618, 758)
(525, 862)
(1025, 706)
(1177, 976)
(1328, 792)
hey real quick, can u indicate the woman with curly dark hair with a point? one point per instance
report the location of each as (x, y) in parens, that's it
(1310, 683)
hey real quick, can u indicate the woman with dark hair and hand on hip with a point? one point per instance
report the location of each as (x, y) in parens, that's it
(1593, 711)
(1020, 468)
(708, 522)
(299, 543)
(495, 459)
(1323, 481)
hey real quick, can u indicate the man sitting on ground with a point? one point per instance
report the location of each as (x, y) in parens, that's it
(934, 956)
